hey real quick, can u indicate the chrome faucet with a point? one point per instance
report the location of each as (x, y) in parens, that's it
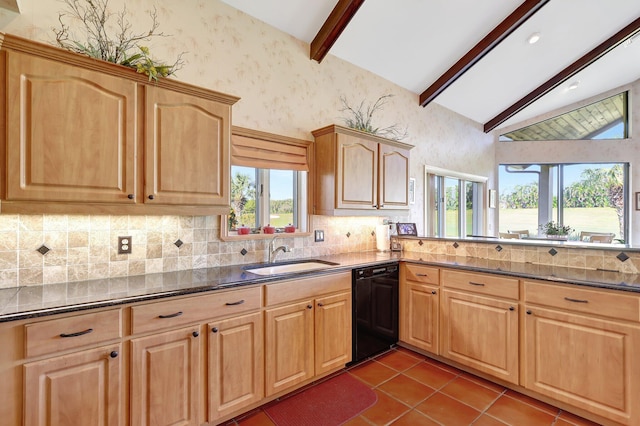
(273, 252)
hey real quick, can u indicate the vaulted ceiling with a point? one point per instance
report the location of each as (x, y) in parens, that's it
(473, 56)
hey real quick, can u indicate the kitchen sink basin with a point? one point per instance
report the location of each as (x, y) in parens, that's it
(290, 268)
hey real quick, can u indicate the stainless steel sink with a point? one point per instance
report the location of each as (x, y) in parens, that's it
(290, 267)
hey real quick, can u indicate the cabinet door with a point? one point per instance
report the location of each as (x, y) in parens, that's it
(186, 149)
(420, 306)
(333, 332)
(165, 378)
(236, 359)
(587, 362)
(289, 353)
(357, 174)
(482, 333)
(77, 389)
(70, 133)
(394, 177)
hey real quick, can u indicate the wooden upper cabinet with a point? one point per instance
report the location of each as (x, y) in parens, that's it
(88, 136)
(187, 149)
(358, 173)
(71, 133)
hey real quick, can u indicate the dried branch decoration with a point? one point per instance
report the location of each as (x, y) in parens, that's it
(360, 119)
(123, 47)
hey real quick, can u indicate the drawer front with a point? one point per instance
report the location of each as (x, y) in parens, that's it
(421, 273)
(171, 313)
(489, 284)
(307, 288)
(72, 332)
(592, 301)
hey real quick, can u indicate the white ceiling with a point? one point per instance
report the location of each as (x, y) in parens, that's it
(413, 42)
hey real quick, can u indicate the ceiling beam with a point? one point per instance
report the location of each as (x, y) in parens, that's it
(333, 27)
(491, 40)
(582, 63)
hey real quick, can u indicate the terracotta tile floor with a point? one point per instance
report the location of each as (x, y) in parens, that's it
(415, 390)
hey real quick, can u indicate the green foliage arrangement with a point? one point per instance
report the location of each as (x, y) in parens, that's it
(361, 118)
(117, 44)
(553, 228)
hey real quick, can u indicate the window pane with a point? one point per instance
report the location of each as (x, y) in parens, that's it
(452, 195)
(470, 200)
(281, 204)
(519, 189)
(243, 197)
(593, 198)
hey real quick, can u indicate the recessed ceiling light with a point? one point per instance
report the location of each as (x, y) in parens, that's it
(574, 85)
(533, 38)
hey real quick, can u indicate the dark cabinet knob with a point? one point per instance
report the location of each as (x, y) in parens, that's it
(375, 206)
(529, 312)
(195, 334)
(433, 292)
(151, 197)
(320, 304)
(381, 205)
(214, 330)
(511, 308)
(113, 354)
(309, 306)
(131, 196)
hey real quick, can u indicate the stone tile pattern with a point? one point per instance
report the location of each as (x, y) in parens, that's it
(575, 257)
(85, 247)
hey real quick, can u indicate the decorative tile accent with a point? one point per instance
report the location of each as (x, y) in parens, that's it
(348, 234)
(243, 252)
(43, 249)
(178, 243)
(622, 257)
(420, 242)
(553, 252)
(498, 248)
(456, 245)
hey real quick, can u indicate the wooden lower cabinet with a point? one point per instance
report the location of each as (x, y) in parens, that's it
(588, 362)
(165, 378)
(235, 364)
(82, 388)
(289, 341)
(332, 332)
(482, 333)
(419, 314)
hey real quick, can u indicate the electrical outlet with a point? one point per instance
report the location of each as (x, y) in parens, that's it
(319, 235)
(124, 245)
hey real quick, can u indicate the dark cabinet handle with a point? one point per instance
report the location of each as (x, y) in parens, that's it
(478, 284)
(569, 299)
(195, 334)
(214, 330)
(422, 275)
(131, 196)
(113, 354)
(177, 314)
(434, 292)
(320, 304)
(239, 302)
(151, 197)
(375, 206)
(511, 308)
(78, 333)
(309, 307)
(529, 312)
(381, 205)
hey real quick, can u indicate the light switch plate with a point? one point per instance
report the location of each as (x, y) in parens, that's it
(319, 235)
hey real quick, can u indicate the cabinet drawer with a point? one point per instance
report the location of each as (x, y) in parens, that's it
(290, 290)
(481, 283)
(171, 313)
(72, 332)
(573, 298)
(423, 274)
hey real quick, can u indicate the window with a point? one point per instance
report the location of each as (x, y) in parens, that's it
(606, 119)
(586, 197)
(269, 184)
(455, 203)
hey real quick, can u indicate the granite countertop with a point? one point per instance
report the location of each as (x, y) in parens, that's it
(41, 300)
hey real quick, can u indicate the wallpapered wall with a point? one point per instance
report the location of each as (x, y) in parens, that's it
(281, 91)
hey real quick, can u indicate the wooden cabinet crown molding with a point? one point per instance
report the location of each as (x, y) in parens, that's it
(334, 128)
(19, 44)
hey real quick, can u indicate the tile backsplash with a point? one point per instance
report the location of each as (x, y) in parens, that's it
(83, 247)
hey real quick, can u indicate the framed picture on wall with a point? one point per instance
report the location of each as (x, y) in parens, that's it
(407, 229)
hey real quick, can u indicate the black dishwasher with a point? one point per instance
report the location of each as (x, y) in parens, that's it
(375, 310)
